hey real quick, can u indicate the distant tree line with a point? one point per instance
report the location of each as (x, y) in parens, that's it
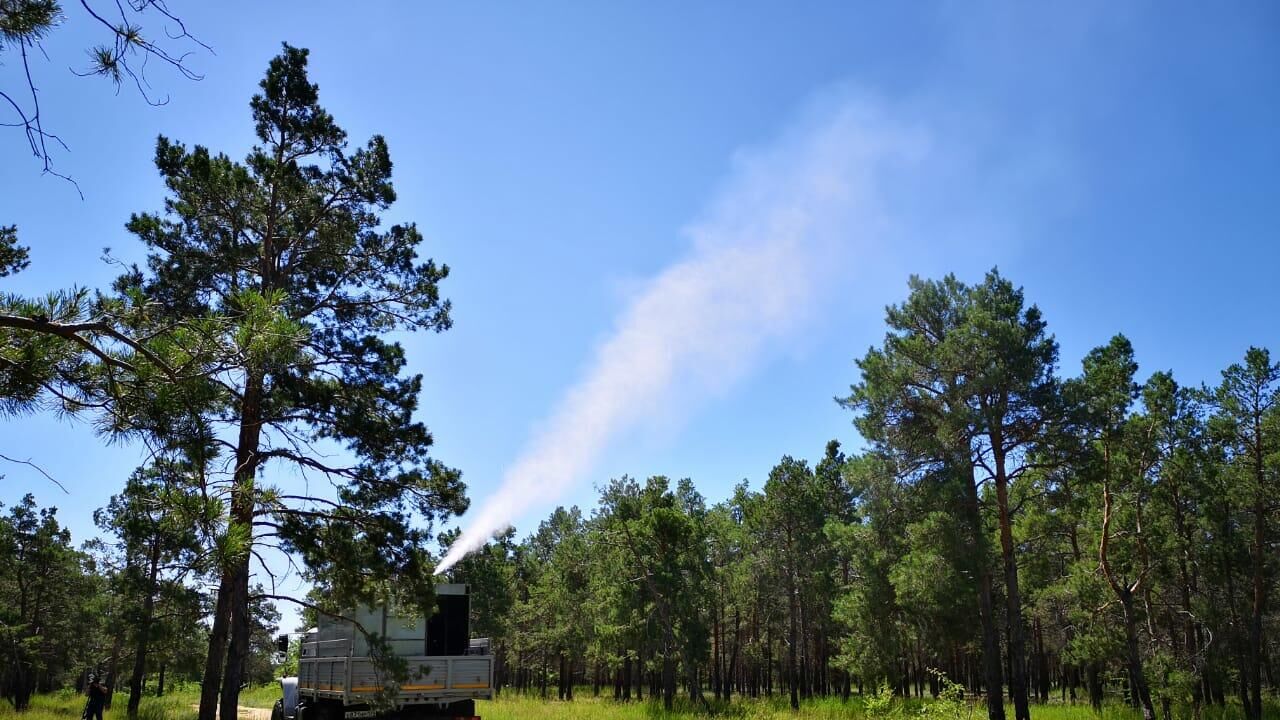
(1016, 531)
(125, 606)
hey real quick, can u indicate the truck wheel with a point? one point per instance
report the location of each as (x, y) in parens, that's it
(462, 708)
(277, 710)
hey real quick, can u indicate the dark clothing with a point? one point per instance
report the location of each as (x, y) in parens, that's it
(97, 699)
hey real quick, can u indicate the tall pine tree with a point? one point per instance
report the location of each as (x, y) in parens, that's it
(287, 250)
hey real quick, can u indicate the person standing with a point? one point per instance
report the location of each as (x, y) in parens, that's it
(97, 699)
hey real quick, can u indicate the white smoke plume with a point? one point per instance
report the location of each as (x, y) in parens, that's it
(783, 227)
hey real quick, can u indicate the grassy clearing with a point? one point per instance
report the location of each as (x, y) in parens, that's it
(512, 707)
(66, 705)
(177, 705)
(509, 707)
(257, 696)
(254, 696)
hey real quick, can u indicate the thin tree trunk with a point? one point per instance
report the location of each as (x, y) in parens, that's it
(791, 646)
(1013, 598)
(668, 667)
(542, 681)
(117, 648)
(1254, 710)
(1094, 677)
(144, 632)
(733, 656)
(1242, 685)
(1042, 663)
(626, 677)
(990, 635)
(717, 650)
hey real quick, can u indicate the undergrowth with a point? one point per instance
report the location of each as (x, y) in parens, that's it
(952, 704)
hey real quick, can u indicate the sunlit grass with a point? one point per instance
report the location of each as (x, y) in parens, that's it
(179, 705)
(510, 706)
(176, 705)
(258, 696)
(67, 705)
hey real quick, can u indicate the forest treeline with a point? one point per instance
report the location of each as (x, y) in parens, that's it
(125, 606)
(1008, 527)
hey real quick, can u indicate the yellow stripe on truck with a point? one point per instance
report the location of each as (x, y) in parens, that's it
(377, 688)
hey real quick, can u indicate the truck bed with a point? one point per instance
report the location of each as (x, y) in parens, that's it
(431, 678)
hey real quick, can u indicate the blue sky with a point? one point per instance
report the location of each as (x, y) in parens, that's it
(1119, 160)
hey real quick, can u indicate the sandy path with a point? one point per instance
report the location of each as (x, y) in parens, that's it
(248, 713)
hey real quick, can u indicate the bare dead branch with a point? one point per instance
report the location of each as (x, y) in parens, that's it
(37, 468)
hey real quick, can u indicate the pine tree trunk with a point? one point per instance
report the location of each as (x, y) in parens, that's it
(1241, 660)
(768, 660)
(1042, 663)
(693, 670)
(668, 680)
(1137, 675)
(668, 665)
(117, 648)
(1013, 597)
(211, 683)
(626, 677)
(238, 647)
(993, 678)
(144, 632)
(791, 646)
(717, 641)
(733, 656)
(242, 513)
(1094, 676)
(1254, 710)
(1186, 584)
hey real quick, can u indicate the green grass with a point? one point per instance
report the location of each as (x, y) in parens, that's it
(177, 705)
(67, 705)
(258, 696)
(510, 706)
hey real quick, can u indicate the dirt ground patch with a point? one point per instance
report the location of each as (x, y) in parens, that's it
(248, 713)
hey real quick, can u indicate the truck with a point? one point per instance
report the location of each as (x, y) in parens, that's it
(338, 680)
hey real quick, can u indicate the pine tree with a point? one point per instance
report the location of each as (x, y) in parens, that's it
(918, 403)
(46, 596)
(1248, 424)
(287, 251)
(156, 522)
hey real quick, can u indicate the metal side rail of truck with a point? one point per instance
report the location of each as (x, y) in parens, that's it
(337, 680)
